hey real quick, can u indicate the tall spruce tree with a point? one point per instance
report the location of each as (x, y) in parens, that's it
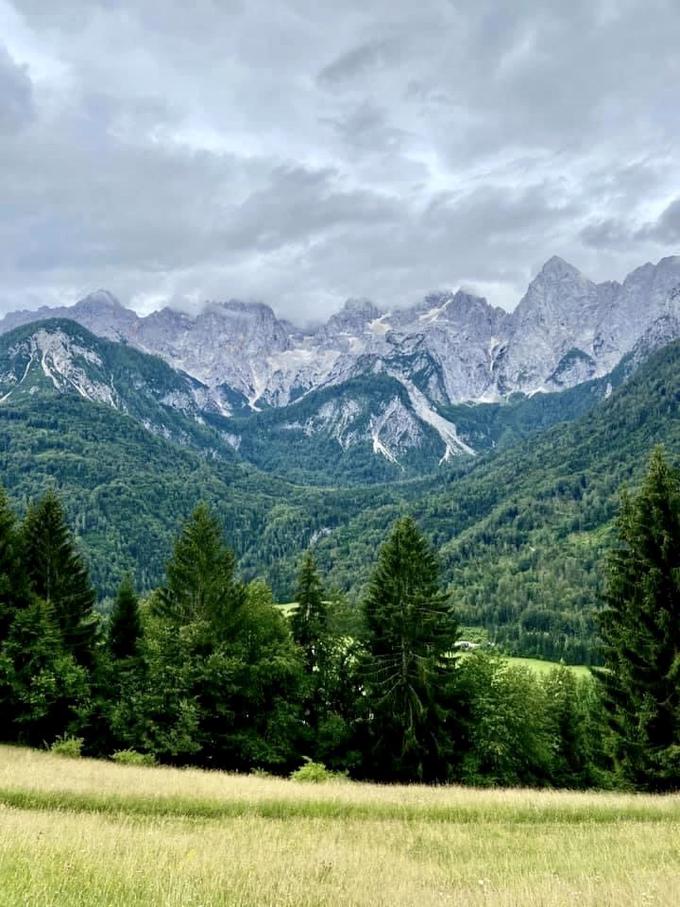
(640, 629)
(201, 583)
(58, 575)
(47, 691)
(310, 620)
(227, 653)
(410, 635)
(125, 628)
(14, 598)
(13, 586)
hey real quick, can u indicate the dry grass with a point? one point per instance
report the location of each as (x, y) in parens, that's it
(97, 833)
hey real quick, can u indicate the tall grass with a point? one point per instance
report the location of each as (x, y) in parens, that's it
(79, 832)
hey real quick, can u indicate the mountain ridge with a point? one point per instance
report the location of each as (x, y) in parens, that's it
(484, 353)
(375, 426)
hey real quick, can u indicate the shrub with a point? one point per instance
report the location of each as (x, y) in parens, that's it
(132, 757)
(71, 747)
(315, 773)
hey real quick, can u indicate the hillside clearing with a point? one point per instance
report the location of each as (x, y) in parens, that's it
(80, 832)
(542, 666)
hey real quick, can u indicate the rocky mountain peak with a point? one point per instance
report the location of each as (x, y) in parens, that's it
(565, 327)
(557, 268)
(354, 315)
(363, 308)
(101, 300)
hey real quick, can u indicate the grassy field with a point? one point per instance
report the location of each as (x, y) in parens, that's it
(79, 832)
(541, 666)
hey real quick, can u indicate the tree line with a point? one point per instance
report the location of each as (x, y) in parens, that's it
(207, 670)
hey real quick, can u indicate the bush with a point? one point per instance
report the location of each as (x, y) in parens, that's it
(316, 773)
(71, 747)
(132, 757)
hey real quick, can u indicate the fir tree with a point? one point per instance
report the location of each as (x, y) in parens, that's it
(640, 629)
(310, 620)
(125, 628)
(233, 660)
(58, 575)
(568, 721)
(46, 690)
(13, 588)
(201, 582)
(411, 632)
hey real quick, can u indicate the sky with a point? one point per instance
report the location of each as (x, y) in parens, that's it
(302, 152)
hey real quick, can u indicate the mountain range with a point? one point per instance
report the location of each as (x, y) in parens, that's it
(133, 442)
(369, 395)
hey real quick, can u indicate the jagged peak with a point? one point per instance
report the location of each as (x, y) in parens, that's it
(231, 306)
(556, 266)
(465, 300)
(171, 314)
(361, 307)
(670, 261)
(100, 297)
(668, 266)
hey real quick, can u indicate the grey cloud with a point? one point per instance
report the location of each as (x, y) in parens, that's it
(299, 205)
(367, 127)
(303, 152)
(606, 234)
(16, 94)
(359, 61)
(667, 227)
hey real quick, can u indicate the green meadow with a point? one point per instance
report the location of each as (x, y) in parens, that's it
(85, 832)
(541, 666)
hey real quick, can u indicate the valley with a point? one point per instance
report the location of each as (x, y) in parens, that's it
(132, 446)
(516, 480)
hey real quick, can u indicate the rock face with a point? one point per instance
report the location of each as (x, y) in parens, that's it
(61, 357)
(448, 348)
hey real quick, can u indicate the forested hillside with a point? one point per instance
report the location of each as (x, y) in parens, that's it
(520, 529)
(126, 490)
(522, 532)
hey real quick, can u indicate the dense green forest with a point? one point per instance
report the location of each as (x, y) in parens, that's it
(521, 529)
(522, 532)
(206, 670)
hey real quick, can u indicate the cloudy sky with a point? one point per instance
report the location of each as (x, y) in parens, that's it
(304, 151)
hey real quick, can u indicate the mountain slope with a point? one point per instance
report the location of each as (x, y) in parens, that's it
(521, 529)
(370, 428)
(127, 491)
(522, 532)
(60, 356)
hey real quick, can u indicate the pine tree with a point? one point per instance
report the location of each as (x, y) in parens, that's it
(125, 628)
(13, 587)
(201, 582)
(47, 692)
(222, 656)
(310, 620)
(568, 721)
(411, 632)
(14, 598)
(58, 575)
(640, 629)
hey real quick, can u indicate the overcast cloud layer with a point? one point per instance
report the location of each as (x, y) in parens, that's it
(304, 151)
